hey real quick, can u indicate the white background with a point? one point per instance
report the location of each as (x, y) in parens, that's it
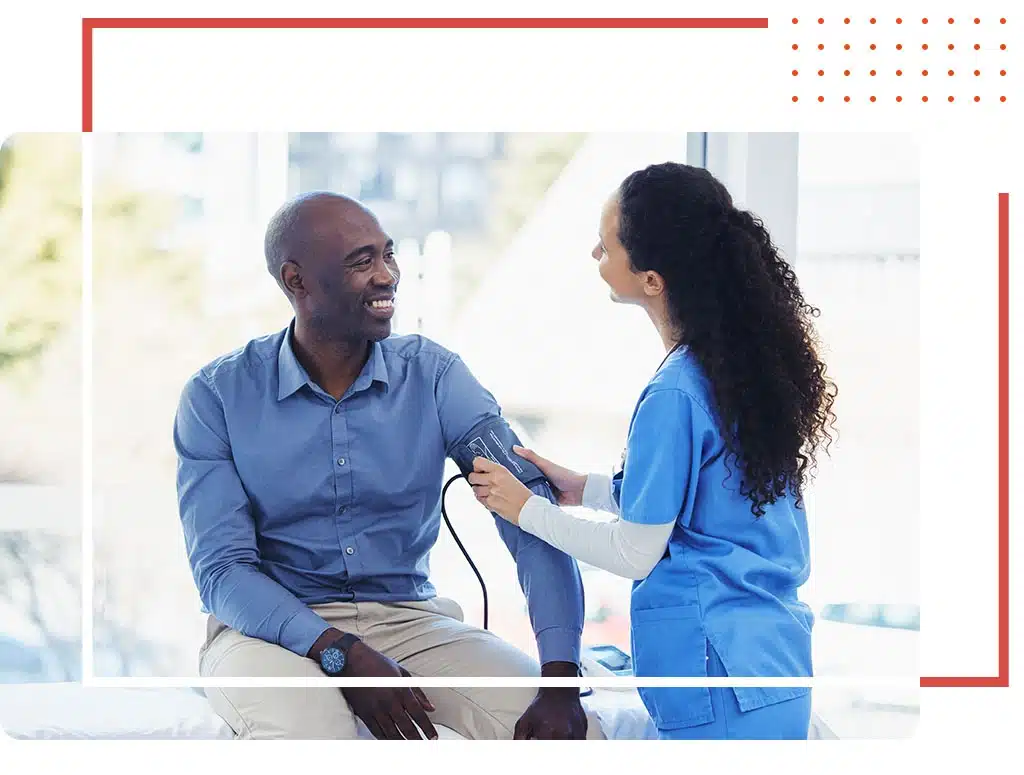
(640, 80)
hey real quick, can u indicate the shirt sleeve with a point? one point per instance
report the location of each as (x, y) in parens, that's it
(598, 494)
(663, 458)
(220, 534)
(627, 549)
(549, 578)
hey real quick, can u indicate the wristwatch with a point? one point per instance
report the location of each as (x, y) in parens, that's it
(334, 657)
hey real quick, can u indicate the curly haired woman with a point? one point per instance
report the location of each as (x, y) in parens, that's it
(710, 519)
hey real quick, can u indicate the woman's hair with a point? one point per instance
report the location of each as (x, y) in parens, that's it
(739, 310)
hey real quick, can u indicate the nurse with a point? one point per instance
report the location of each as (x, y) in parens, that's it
(709, 519)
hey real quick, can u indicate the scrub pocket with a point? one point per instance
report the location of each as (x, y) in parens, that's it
(670, 643)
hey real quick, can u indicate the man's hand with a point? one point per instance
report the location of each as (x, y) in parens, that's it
(556, 713)
(498, 490)
(388, 712)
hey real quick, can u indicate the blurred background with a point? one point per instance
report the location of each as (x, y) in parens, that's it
(494, 233)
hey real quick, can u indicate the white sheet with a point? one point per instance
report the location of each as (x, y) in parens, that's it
(72, 711)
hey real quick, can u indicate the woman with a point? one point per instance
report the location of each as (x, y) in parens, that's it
(710, 525)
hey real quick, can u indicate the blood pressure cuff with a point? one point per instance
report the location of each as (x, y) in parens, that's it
(493, 439)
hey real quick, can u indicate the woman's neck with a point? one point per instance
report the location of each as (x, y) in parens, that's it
(667, 330)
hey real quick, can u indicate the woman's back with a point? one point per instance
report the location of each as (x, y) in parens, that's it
(728, 577)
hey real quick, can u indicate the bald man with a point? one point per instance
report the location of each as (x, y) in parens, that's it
(309, 478)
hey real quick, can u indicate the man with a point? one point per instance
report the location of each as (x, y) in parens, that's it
(310, 469)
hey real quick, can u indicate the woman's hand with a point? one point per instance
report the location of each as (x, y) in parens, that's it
(498, 490)
(567, 484)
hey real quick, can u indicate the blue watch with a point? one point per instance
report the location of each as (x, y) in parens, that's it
(334, 657)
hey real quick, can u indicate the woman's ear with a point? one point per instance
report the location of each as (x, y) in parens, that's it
(654, 284)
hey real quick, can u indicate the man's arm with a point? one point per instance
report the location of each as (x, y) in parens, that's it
(550, 579)
(220, 535)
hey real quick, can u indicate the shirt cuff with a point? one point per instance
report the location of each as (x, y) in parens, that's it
(597, 493)
(559, 644)
(300, 632)
(531, 516)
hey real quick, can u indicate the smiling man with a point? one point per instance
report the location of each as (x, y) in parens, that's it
(309, 480)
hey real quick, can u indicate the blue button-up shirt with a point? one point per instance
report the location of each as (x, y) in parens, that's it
(289, 498)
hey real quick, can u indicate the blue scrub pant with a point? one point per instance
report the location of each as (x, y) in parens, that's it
(786, 720)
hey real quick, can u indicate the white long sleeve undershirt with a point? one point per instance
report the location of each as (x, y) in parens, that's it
(627, 549)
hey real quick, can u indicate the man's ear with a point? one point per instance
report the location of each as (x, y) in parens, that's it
(291, 279)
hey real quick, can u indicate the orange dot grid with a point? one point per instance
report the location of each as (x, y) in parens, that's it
(853, 42)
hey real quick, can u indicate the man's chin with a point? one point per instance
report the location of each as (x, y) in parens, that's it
(378, 330)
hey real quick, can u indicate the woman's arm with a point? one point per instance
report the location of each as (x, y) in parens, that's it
(597, 494)
(627, 549)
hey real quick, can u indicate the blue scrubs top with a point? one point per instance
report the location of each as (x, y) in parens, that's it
(728, 579)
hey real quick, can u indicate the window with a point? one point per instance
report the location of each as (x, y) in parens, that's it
(407, 182)
(423, 142)
(192, 142)
(476, 144)
(191, 208)
(462, 183)
(377, 185)
(359, 142)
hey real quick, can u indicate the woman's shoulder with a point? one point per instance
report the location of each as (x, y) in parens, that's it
(682, 373)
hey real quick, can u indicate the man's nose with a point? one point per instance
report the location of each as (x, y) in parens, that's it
(384, 274)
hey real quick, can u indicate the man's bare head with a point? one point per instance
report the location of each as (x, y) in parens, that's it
(330, 256)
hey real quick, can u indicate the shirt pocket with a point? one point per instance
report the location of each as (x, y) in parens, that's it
(669, 642)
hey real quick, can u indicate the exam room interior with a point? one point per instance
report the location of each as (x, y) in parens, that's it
(855, 250)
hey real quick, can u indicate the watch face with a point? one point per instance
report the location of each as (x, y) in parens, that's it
(332, 660)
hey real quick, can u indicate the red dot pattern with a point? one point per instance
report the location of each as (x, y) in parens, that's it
(899, 47)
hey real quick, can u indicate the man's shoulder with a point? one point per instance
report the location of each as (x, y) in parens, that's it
(416, 348)
(249, 361)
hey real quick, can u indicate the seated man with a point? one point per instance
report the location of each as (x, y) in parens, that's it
(309, 479)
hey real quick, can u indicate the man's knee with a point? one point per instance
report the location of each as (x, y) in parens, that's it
(299, 713)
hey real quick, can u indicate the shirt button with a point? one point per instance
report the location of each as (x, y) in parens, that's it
(350, 550)
(341, 461)
(341, 509)
(337, 410)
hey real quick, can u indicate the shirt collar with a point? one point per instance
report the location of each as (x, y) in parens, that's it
(291, 376)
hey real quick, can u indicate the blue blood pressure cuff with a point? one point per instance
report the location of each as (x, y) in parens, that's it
(494, 439)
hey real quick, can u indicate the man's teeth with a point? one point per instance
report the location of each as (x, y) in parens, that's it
(384, 304)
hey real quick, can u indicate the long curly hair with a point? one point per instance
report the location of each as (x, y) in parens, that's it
(740, 312)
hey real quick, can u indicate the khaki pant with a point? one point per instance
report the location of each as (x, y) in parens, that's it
(427, 638)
